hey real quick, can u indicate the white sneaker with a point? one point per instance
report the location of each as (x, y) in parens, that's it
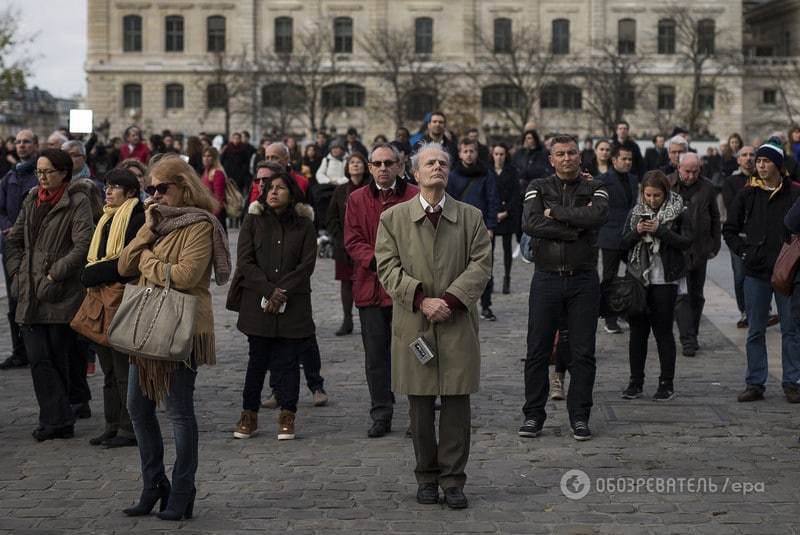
(516, 252)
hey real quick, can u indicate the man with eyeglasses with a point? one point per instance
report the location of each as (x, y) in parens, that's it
(364, 208)
(14, 186)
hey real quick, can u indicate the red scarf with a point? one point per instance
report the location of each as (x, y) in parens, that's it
(51, 197)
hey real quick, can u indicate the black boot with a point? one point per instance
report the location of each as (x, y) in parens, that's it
(180, 506)
(347, 326)
(149, 498)
(506, 285)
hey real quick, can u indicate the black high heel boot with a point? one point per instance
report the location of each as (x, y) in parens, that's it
(180, 506)
(149, 498)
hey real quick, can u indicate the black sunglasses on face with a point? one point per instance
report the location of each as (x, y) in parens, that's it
(162, 188)
(380, 163)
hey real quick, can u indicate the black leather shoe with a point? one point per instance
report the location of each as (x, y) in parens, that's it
(379, 429)
(82, 410)
(454, 498)
(180, 506)
(149, 499)
(119, 442)
(96, 441)
(428, 493)
(14, 361)
(346, 328)
(49, 434)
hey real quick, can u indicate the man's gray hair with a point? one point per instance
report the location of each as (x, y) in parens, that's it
(679, 140)
(57, 137)
(74, 144)
(426, 147)
(688, 156)
(388, 146)
(282, 146)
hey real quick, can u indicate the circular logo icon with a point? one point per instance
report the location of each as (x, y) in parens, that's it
(575, 484)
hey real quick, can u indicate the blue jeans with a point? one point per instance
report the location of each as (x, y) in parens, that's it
(757, 297)
(737, 264)
(180, 411)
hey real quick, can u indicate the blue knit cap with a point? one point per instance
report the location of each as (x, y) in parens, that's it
(772, 151)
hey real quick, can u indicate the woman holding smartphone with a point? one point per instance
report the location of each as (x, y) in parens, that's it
(656, 235)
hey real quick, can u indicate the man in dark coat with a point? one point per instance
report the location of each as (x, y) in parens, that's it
(656, 157)
(623, 139)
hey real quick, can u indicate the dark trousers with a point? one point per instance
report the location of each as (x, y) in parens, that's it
(17, 344)
(661, 310)
(311, 361)
(115, 368)
(440, 463)
(48, 348)
(79, 391)
(180, 411)
(508, 251)
(376, 334)
(279, 356)
(611, 261)
(689, 307)
(562, 349)
(578, 295)
(737, 264)
(486, 296)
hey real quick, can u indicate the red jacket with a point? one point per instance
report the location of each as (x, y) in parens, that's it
(140, 152)
(364, 209)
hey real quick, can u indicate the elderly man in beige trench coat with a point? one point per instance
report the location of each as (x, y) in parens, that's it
(434, 259)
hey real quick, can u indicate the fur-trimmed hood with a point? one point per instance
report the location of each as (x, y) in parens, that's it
(301, 209)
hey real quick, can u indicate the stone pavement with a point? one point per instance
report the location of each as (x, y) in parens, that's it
(332, 479)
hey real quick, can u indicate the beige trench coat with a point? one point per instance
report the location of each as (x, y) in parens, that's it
(455, 257)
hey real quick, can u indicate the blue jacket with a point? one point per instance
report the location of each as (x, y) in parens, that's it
(610, 234)
(13, 189)
(482, 193)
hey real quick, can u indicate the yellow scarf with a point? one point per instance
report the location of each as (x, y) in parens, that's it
(120, 216)
(758, 182)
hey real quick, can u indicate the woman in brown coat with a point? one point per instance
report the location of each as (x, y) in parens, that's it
(271, 290)
(355, 169)
(181, 231)
(45, 252)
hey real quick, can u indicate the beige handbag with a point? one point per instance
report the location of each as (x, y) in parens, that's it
(155, 323)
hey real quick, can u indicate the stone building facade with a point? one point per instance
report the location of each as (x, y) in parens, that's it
(151, 62)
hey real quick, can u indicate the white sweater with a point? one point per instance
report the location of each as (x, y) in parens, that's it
(331, 171)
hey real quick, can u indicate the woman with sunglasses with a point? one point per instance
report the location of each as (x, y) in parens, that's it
(44, 254)
(123, 216)
(213, 178)
(180, 232)
(271, 290)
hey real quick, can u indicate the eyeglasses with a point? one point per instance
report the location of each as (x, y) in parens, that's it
(162, 188)
(42, 173)
(381, 163)
(23, 142)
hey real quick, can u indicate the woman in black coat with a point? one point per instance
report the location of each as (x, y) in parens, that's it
(509, 216)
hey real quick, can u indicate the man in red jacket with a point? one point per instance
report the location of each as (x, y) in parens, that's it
(134, 147)
(364, 209)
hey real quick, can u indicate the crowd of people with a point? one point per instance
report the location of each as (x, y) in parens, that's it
(413, 224)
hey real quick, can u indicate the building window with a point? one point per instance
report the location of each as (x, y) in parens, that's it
(342, 96)
(284, 28)
(174, 96)
(215, 32)
(666, 97)
(132, 33)
(173, 41)
(561, 96)
(626, 29)
(281, 95)
(132, 96)
(769, 97)
(787, 43)
(706, 35)
(705, 99)
(503, 38)
(666, 36)
(420, 102)
(423, 35)
(497, 97)
(343, 35)
(216, 96)
(560, 44)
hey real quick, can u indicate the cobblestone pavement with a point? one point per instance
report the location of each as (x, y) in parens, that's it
(332, 479)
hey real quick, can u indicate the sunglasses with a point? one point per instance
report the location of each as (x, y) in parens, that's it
(381, 163)
(162, 188)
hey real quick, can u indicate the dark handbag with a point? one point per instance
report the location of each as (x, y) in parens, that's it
(786, 266)
(622, 296)
(96, 312)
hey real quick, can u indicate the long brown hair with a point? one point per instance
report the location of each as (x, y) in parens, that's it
(172, 168)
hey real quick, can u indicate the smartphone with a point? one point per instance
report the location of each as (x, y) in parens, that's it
(646, 217)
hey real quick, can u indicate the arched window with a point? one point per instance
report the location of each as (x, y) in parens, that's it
(343, 35)
(173, 96)
(281, 95)
(666, 36)
(626, 29)
(132, 96)
(496, 97)
(173, 33)
(284, 40)
(419, 102)
(131, 33)
(215, 33)
(706, 36)
(560, 44)
(216, 96)
(503, 38)
(561, 96)
(423, 35)
(343, 96)
(666, 97)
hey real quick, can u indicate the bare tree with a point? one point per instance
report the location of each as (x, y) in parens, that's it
(228, 81)
(524, 66)
(12, 72)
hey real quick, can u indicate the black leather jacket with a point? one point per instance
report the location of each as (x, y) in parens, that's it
(567, 241)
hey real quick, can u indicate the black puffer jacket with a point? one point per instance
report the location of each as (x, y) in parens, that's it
(510, 198)
(701, 200)
(566, 241)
